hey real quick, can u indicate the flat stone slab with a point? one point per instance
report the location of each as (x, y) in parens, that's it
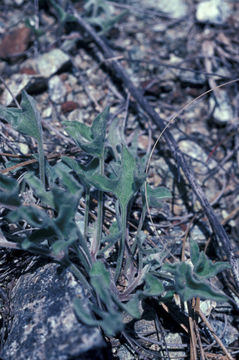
(43, 324)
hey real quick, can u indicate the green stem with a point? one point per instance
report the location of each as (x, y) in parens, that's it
(41, 162)
(99, 214)
(87, 206)
(78, 274)
(83, 252)
(141, 221)
(122, 242)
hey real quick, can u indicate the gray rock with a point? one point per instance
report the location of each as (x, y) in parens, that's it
(228, 334)
(221, 107)
(192, 78)
(51, 62)
(19, 2)
(57, 89)
(43, 324)
(212, 11)
(174, 8)
(20, 82)
(196, 152)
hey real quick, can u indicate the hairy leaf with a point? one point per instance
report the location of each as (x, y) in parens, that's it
(153, 287)
(45, 196)
(27, 120)
(194, 251)
(132, 306)
(124, 186)
(9, 196)
(188, 285)
(90, 139)
(155, 196)
(84, 314)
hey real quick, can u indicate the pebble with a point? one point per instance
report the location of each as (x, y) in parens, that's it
(57, 89)
(19, 82)
(175, 8)
(51, 62)
(212, 11)
(222, 110)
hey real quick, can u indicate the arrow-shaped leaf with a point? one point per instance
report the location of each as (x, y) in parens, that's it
(90, 139)
(27, 120)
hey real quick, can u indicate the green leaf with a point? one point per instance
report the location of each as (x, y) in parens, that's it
(34, 216)
(111, 322)
(171, 268)
(100, 280)
(97, 6)
(83, 313)
(62, 15)
(98, 270)
(124, 186)
(156, 195)
(65, 222)
(7, 183)
(68, 180)
(61, 245)
(85, 172)
(90, 139)
(188, 285)
(115, 137)
(64, 198)
(36, 249)
(194, 251)
(206, 268)
(78, 131)
(100, 13)
(153, 286)
(41, 235)
(9, 196)
(112, 238)
(27, 120)
(45, 196)
(132, 306)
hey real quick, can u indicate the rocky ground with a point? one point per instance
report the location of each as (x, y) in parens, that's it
(172, 51)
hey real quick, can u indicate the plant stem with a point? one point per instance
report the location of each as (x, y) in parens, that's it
(41, 162)
(78, 274)
(87, 206)
(122, 242)
(99, 214)
(141, 221)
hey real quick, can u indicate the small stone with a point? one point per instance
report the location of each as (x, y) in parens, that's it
(193, 78)
(18, 82)
(212, 11)
(196, 152)
(47, 112)
(222, 110)
(175, 8)
(69, 106)
(15, 42)
(51, 62)
(57, 89)
(19, 2)
(82, 99)
(76, 115)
